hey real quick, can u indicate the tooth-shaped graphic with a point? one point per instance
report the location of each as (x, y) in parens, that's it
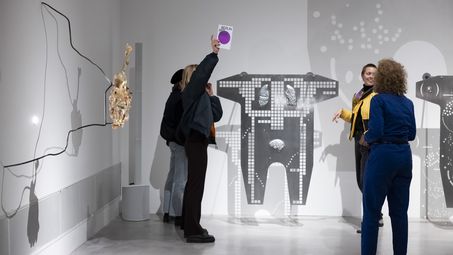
(277, 144)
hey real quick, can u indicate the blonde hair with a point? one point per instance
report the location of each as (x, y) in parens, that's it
(186, 75)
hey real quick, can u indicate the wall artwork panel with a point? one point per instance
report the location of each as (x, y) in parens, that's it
(439, 90)
(277, 127)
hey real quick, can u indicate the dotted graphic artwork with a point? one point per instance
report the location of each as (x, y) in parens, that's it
(426, 147)
(439, 90)
(276, 127)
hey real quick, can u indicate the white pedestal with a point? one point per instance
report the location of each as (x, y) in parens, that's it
(135, 204)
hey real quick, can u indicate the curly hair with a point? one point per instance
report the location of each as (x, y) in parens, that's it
(390, 77)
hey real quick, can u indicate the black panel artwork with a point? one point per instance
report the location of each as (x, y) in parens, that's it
(426, 147)
(439, 90)
(277, 126)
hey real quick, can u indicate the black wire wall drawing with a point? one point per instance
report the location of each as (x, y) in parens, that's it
(76, 124)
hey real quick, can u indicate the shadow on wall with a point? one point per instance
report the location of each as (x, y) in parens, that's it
(33, 216)
(33, 211)
(76, 117)
(345, 176)
(159, 168)
(33, 226)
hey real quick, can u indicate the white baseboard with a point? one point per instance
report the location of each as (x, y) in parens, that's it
(75, 237)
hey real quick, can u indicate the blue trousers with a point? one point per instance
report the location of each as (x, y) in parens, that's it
(388, 174)
(176, 180)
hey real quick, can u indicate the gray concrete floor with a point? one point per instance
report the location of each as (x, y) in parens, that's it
(298, 235)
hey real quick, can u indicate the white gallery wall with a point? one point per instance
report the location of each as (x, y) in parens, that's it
(48, 89)
(330, 38)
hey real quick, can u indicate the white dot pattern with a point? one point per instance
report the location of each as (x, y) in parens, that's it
(368, 35)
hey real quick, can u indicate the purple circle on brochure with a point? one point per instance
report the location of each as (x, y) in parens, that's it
(224, 37)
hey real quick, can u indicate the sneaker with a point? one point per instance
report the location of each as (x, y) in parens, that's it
(201, 238)
(166, 218)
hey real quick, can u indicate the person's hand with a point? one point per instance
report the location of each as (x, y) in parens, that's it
(215, 44)
(336, 116)
(363, 142)
(209, 89)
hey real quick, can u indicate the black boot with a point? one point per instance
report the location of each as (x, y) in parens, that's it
(166, 218)
(178, 221)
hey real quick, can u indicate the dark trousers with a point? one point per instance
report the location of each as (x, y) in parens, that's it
(388, 174)
(196, 147)
(361, 157)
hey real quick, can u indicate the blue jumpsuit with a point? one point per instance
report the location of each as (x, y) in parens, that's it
(388, 170)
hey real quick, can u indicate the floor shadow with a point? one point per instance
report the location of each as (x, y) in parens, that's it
(159, 169)
(343, 155)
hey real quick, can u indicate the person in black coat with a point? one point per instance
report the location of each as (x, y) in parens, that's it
(201, 110)
(177, 174)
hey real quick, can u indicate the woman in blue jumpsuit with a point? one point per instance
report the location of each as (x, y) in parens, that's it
(389, 168)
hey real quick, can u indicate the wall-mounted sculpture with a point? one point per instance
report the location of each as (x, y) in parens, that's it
(121, 97)
(277, 126)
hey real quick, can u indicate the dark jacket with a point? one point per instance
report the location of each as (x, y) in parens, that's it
(392, 120)
(172, 115)
(200, 109)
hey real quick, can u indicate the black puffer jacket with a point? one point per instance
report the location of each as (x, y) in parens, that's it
(172, 115)
(200, 109)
